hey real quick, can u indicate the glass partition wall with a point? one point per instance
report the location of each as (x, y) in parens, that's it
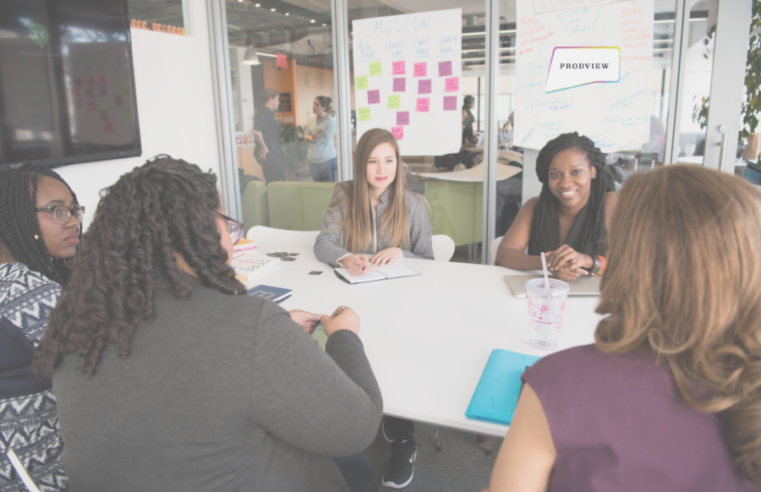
(288, 47)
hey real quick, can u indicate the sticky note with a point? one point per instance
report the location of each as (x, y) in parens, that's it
(105, 103)
(114, 80)
(445, 68)
(101, 80)
(361, 82)
(118, 100)
(421, 69)
(373, 97)
(452, 84)
(397, 68)
(127, 114)
(450, 103)
(376, 68)
(91, 105)
(124, 90)
(400, 84)
(424, 86)
(75, 91)
(395, 101)
(422, 104)
(402, 117)
(108, 127)
(397, 132)
(363, 114)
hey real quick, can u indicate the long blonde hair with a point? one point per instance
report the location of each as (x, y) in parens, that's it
(357, 226)
(683, 282)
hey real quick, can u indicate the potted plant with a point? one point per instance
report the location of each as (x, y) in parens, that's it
(293, 147)
(751, 107)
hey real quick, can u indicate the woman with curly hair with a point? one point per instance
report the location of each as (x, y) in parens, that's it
(668, 396)
(568, 221)
(40, 223)
(169, 378)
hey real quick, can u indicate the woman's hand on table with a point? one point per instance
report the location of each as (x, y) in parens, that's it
(566, 258)
(343, 318)
(304, 319)
(386, 256)
(357, 264)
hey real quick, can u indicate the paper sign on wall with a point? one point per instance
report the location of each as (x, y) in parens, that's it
(567, 72)
(389, 54)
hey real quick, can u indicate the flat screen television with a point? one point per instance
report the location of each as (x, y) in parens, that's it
(67, 87)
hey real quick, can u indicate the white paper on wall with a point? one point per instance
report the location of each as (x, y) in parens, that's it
(407, 71)
(615, 115)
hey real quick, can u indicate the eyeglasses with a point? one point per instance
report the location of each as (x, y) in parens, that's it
(62, 214)
(234, 227)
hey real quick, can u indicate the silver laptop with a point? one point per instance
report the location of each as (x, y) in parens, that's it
(582, 286)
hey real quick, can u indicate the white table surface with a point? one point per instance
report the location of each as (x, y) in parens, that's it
(428, 337)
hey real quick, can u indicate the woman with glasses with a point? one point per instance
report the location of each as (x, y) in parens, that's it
(40, 223)
(170, 378)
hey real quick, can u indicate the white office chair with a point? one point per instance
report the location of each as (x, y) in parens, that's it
(689, 150)
(443, 247)
(269, 235)
(494, 247)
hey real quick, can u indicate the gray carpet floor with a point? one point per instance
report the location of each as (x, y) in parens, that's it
(461, 465)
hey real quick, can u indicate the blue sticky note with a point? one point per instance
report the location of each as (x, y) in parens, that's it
(497, 393)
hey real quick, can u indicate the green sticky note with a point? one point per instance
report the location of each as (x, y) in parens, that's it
(375, 69)
(394, 102)
(114, 79)
(127, 114)
(105, 103)
(364, 114)
(361, 82)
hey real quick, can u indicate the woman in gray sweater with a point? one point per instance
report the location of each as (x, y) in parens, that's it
(169, 379)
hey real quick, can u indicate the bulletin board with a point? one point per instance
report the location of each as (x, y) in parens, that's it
(407, 71)
(616, 116)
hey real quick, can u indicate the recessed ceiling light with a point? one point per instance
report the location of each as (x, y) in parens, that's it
(287, 13)
(312, 21)
(258, 5)
(272, 10)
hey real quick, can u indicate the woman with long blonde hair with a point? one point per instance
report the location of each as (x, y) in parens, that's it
(375, 215)
(668, 397)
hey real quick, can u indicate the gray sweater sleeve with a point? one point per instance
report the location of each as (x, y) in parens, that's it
(325, 402)
(327, 247)
(420, 228)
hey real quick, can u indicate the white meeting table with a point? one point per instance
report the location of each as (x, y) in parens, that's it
(428, 337)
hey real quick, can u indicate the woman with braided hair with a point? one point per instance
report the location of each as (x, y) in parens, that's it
(569, 220)
(170, 378)
(39, 229)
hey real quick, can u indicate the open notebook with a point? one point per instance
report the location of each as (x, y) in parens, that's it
(394, 270)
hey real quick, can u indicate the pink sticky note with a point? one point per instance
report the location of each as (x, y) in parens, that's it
(108, 127)
(398, 132)
(424, 86)
(422, 104)
(102, 91)
(91, 105)
(450, 103)
(402, 117)
(400, 84)
(90, 81)
(452, 84)
(373, 97)
(445, 68)
(101, 80)
(421, 69)
(397, 68)
(118, 100)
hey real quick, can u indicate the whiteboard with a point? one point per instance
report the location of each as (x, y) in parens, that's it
(407, 71)
(616, 116)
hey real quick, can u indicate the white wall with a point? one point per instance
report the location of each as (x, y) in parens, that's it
(175, 106)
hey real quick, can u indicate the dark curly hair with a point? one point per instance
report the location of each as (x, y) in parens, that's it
(18, 220)
(545, 225)
(162, 207)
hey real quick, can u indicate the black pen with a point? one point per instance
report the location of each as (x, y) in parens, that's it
(340, 310)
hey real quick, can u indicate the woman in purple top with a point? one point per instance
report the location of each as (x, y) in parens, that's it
(668, 396)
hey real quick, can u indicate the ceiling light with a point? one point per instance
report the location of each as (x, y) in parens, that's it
(272, 10)
(312, 21)
(250, 58)
(287, 13)
(257, 5)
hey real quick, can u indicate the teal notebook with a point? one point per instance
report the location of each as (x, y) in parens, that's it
(496, 395)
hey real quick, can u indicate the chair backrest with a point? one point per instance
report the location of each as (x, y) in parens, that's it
(494, 247)
(269, 235)
(443, 247)
(254, 205)
(298, 206)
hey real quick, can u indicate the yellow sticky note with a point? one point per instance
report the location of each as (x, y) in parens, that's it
(361, 82)
(124, 90)
(364, 114)
(394, 102)
(375, 68)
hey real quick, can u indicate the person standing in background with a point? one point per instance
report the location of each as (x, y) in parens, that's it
(267, 135)
(321, 153)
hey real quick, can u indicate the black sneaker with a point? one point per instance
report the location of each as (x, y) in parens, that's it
(401, 465)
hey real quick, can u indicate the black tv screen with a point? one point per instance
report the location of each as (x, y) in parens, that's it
(67, 88)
